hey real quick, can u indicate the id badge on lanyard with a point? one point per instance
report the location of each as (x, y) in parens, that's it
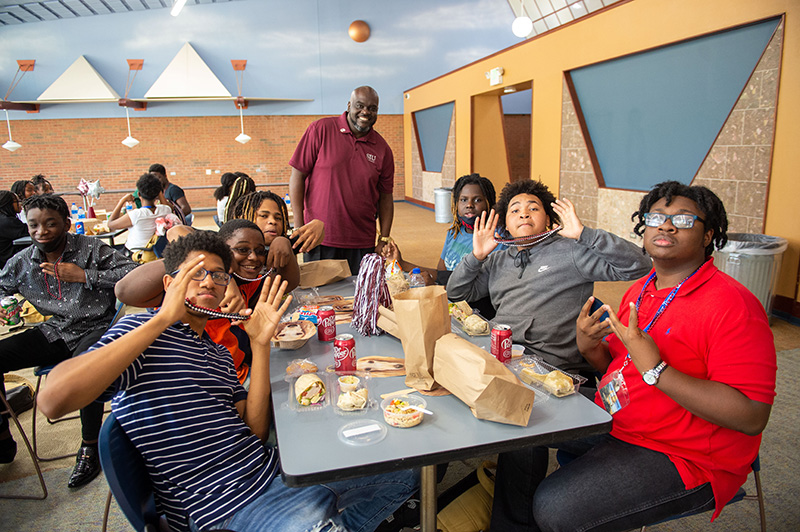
(614, 391)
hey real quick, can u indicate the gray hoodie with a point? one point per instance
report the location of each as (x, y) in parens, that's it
(541, 301)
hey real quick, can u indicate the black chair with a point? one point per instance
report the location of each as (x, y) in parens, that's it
(5, 408)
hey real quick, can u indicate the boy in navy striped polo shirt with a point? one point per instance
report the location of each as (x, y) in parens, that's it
(177, 397)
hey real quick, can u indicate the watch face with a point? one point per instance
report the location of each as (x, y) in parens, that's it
(649, 378)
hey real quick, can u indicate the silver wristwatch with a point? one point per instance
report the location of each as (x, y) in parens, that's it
(651, 376)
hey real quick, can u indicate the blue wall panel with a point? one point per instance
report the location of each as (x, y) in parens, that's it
(433, 126)
(653, 116)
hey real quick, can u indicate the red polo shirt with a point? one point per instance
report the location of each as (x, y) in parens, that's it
(345, 177)
(714, 329)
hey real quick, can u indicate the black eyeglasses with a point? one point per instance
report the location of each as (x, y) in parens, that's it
(260, 252)
(220, 278)
(680, 221)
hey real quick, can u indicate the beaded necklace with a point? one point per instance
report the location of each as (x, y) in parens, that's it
(528, 241)
(256, 279)
(58, 279)
(215, 313)
(661, 308)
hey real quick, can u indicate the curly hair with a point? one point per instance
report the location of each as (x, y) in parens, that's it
(716, 219)
(487, 189)
(247, 206)
(241, 186)
(18, 188)
(47, 201)
(149, 186)
(525, 186)
(207, 242)
(229, 228)
(157, 168)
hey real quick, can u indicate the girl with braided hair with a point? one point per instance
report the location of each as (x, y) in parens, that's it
(268, 211)
(242, 185)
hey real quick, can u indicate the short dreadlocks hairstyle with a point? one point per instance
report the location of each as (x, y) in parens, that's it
(242, 185)
(229, 228)
(716, 219)
(525, 186)
(247, 206)
(487, 189)
(39, 181)
(207, 242)
(47, 201)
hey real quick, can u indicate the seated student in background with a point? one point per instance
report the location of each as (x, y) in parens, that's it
(173, 193)
(42, 185)
(472, 196)
(23, 189)
(221, 194)
(142, 221)
(207, 459)
(693, 363)
(540, 282)
(143, 287)
(70, 277)
(11, 228)
(268, 211)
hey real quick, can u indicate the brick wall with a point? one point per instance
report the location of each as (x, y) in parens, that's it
(68, 150)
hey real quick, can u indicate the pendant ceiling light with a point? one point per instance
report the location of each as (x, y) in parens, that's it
(238, 66)
(10, 145)
(522, 25)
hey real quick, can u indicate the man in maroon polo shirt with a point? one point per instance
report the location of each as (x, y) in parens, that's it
(342, 178)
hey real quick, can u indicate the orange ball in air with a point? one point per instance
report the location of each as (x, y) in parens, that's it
(359, 31)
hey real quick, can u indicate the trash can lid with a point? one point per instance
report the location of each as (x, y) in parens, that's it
(755, 244)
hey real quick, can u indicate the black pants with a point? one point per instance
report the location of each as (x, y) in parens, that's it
(30, 348)
(352, 256)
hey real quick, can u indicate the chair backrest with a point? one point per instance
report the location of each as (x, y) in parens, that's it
(126, 475)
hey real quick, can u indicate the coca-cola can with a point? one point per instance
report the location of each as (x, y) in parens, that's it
(326, 324)
(344, 353)
(501, 343)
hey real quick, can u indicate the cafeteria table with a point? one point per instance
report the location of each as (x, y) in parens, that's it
(312, 452)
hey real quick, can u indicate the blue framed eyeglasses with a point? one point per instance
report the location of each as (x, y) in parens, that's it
(680, 221)
(220, 278)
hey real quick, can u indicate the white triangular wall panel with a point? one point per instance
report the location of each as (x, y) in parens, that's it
(79, 82)
(187, 76)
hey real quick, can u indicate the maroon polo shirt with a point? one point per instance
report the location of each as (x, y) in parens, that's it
(346, 175)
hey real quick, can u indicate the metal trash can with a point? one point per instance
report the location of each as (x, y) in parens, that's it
(442, 201)
(755, 261)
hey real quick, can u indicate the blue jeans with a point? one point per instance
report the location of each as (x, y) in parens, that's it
(611, 485)
(356, 505)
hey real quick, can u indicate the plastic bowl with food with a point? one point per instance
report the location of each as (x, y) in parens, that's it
(348, 383)
(398, 411)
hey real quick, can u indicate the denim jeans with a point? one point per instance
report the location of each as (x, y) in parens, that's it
(356, 505)
(612, 485)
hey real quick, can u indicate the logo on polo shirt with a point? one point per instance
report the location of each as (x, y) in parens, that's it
(371, 157)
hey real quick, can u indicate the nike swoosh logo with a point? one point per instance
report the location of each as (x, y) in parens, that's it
(542, 268)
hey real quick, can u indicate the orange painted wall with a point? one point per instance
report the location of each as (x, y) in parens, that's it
(623, 29)
(67, 150)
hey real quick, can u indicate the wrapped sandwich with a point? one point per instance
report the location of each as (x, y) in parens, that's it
(309, 389)
(355, 400)
(555, 382)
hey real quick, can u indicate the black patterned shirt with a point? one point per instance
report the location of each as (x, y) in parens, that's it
(82, 307)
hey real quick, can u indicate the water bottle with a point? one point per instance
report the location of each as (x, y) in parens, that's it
(287, 200)
(74, 211)
(415, 279)
(81, 213)
(128, 206)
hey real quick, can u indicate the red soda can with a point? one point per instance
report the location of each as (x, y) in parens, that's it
(326, 324)
(501, 343)
(344, 353)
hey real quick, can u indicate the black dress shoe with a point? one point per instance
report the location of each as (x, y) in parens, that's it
(87, 466)
(8, 450)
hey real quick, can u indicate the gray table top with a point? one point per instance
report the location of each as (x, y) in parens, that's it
(311, 451)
